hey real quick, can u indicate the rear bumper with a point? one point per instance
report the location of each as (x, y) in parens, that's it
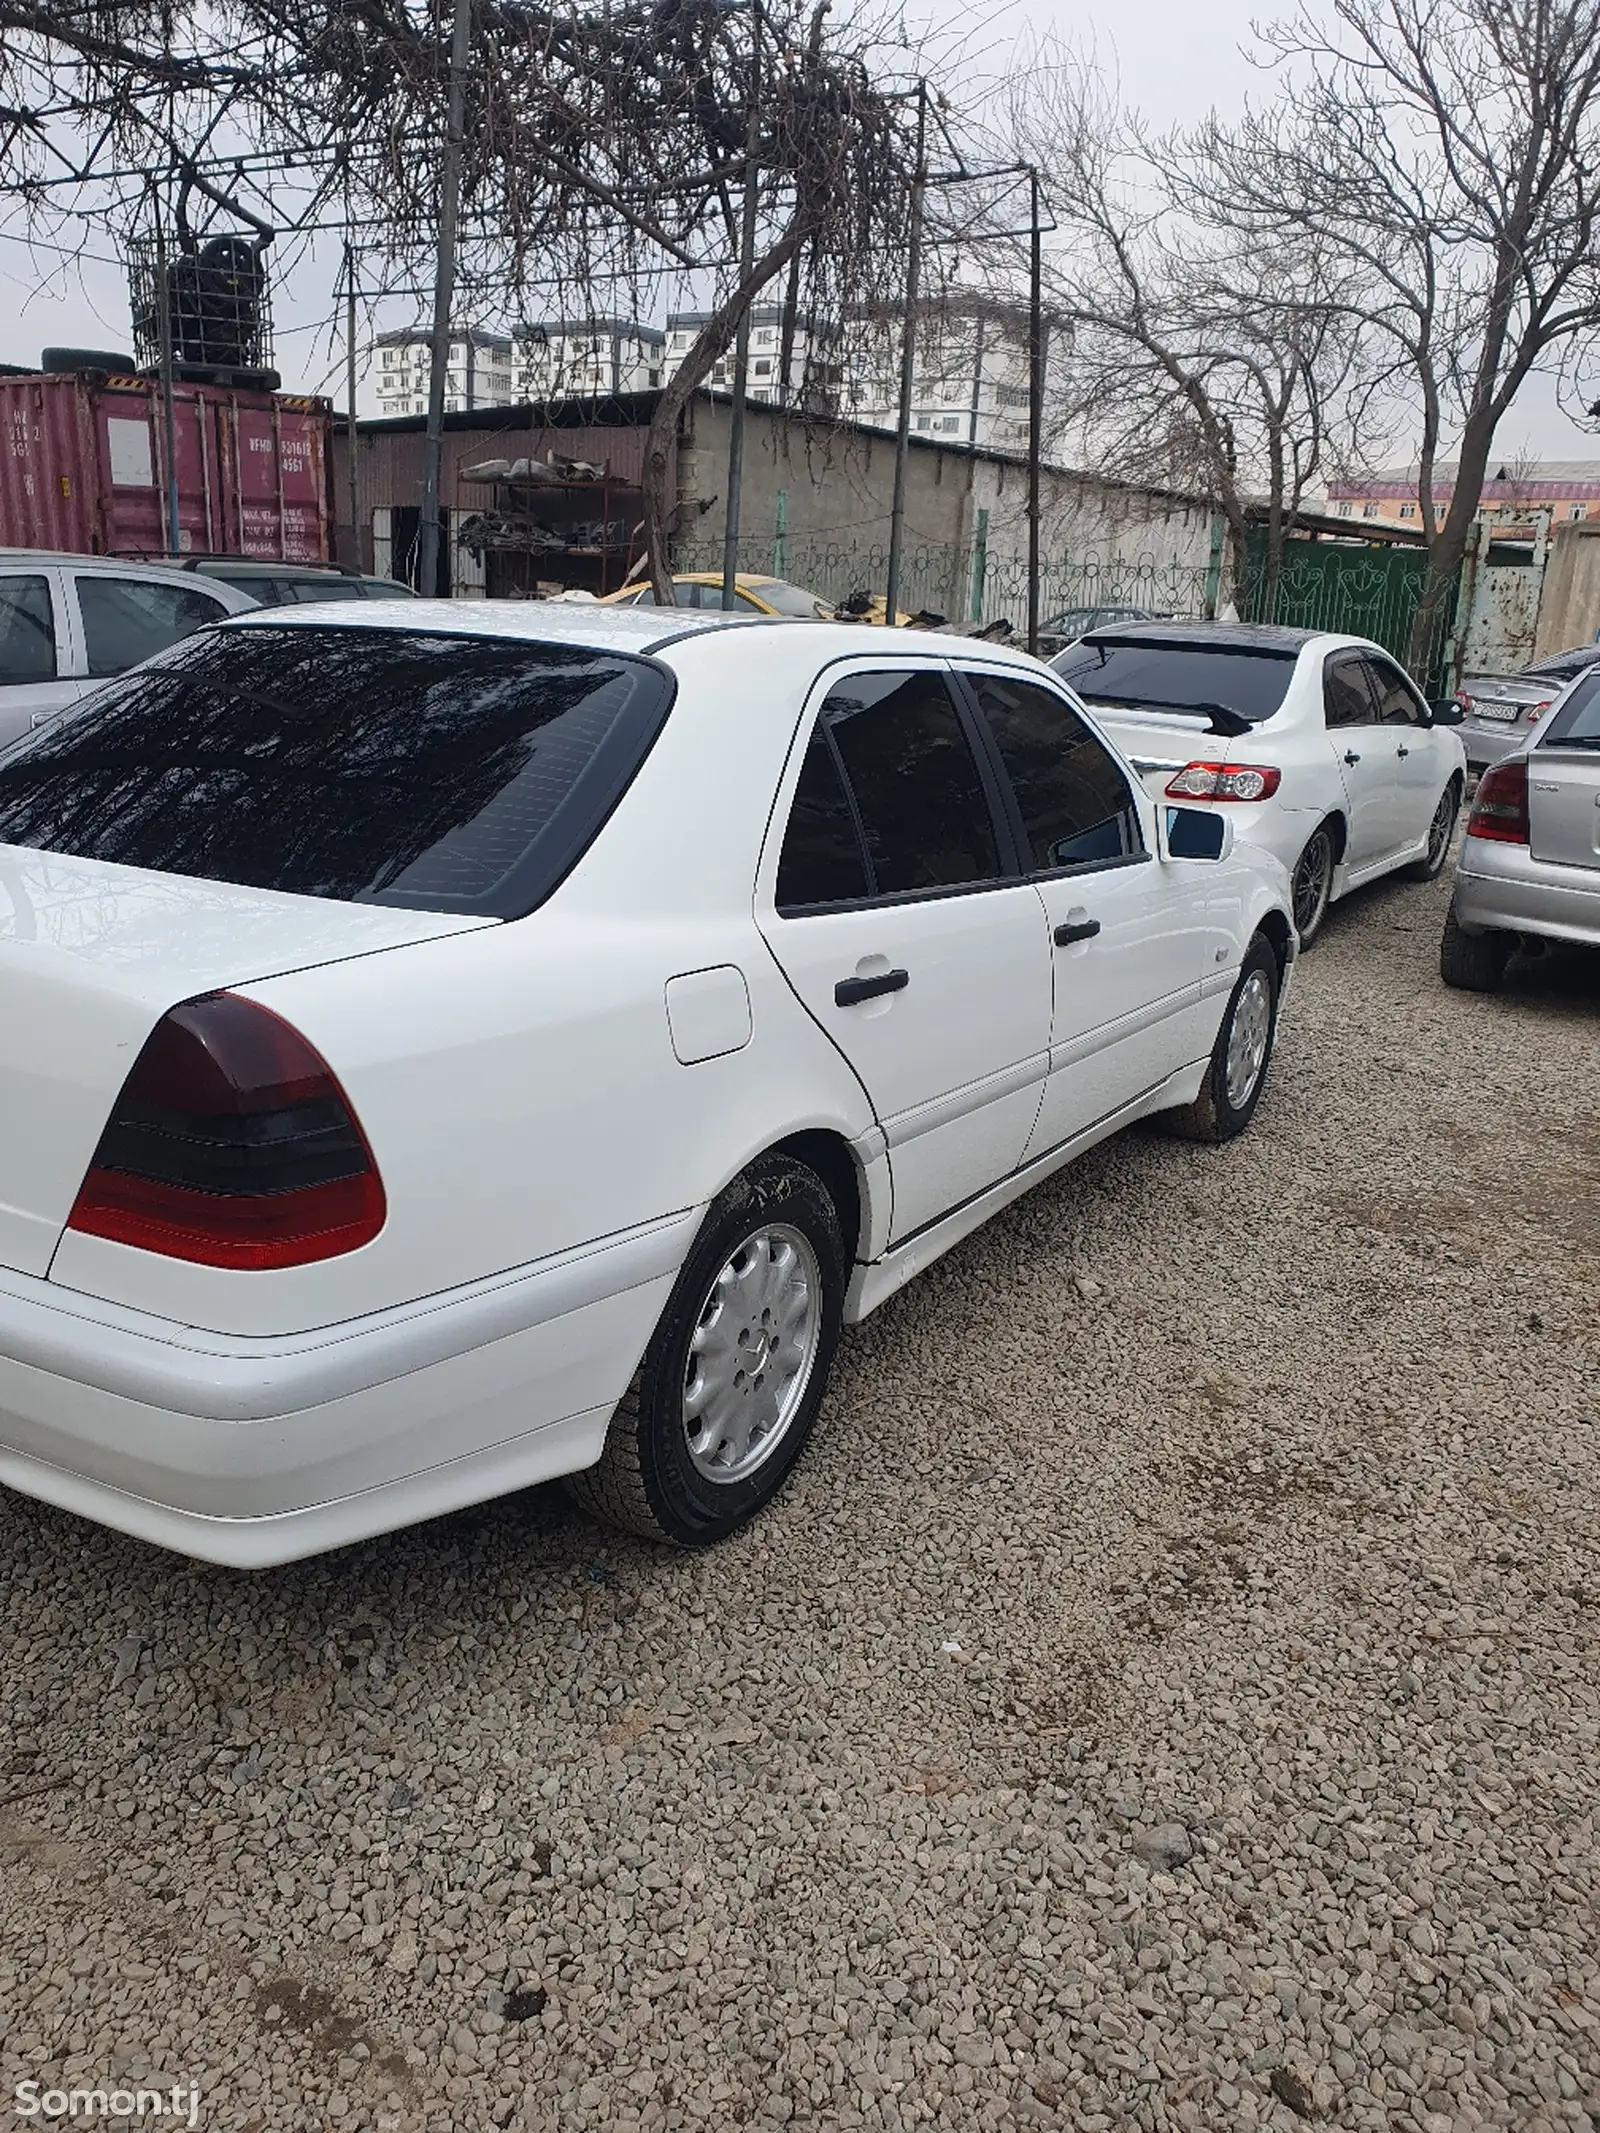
(1502, 888)
(256, 1451)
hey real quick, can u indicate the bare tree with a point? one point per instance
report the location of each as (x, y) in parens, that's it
(1448, 152)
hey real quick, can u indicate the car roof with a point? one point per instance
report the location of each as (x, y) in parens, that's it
(1196, 634)
(168, 567)
(618, 629)
(257, 566)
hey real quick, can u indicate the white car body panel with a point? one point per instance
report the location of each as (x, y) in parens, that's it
(1384, 801)
(551, 1103)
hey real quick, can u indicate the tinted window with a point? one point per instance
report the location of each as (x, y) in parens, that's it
(917, 791)
(1177, 677)
(1075, 804)
(371, 765)
(27, 630)
(822, 861)
(1345, 699)
(271, 592)
(1397, 700)
(1577, 723)
(331, 587)
(129, 619)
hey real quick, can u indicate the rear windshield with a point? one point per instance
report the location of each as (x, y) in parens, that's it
(1577, 723)
(1177, 677)
(377, 766)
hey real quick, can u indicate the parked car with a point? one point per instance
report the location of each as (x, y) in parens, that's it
(754, 595)
(409, 1092)
(1329, 755)
(67, 622)
(1075, 622)
(275, 584)
(1530, 861)
(1502, 710)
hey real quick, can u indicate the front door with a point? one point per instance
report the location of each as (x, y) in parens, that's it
(900, 921)
(1421, 765)
(1128, 928)
(1365, 754)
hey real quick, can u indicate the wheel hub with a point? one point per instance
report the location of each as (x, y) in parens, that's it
(751, 1353)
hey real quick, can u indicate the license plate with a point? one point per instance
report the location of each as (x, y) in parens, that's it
(1502, 714)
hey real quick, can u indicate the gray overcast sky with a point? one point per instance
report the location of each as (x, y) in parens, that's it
(1174, 60)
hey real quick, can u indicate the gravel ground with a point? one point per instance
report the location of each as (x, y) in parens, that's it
(1166, 1697)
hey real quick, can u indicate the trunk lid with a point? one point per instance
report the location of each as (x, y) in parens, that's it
(1564, 805)
(91, 956)
(1159, 743)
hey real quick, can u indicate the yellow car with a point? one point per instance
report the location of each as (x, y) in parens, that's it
(752, 595)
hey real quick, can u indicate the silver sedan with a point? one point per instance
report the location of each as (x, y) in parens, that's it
(1530, 861)
(1503, 709)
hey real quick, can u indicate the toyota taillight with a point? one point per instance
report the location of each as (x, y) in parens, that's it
(1500, 812)
(233, 1145)
(1216, 781)
(1535, 712)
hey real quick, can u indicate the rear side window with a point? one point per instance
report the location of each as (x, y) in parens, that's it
(129, 619)
(1163, 675)
(27, 630)
(1074, 801)
(924, 813)
(378, 766)
(822, 861)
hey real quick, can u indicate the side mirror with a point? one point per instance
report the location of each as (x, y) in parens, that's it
(1447, 712)
(1198, 833)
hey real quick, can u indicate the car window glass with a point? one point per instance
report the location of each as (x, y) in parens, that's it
(688, 595)
(27, 630)
(127, 619)
(1345, 700)
(330, 588)
(1074, 800)
(1172, 674)
(822, 861)
(915, 781)
(271, 592)
(1577, 723)
(1397, 700)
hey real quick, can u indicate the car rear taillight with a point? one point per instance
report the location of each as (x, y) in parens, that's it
(1215, 781)
(1535, 712)
(1500, 812)
(231, 1144)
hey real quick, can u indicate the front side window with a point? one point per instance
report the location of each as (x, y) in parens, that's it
(1345, 699)
(1398, 702)
(1074, 801)
(918, 793)
(27, 630)
(381, 766)
(129, 619)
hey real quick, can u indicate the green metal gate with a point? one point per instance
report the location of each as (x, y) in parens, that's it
(1370, 591)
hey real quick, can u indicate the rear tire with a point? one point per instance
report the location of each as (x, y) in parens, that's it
(1473, 962)
(1441, 834)
(1312, 883)
(1240, 1058)
(725, 1399)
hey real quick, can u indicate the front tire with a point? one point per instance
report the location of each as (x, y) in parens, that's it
(1441, 832)
(1473, 962)
(1311, 885)
(729, 1387)
(1240, 1058)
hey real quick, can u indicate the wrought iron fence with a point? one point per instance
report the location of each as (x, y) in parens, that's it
(966, 585)
(1362, 592)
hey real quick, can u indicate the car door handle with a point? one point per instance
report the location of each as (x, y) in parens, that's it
(1402, 750)
(1083, 929)
(1350, 756)
(850, 991)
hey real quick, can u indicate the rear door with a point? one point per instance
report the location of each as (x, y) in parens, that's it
(122, 621)
(1127, 928)
(899, 919)
(1564, 783)
(1365, 754)
(36, 662)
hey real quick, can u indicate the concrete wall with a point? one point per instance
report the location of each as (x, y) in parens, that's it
(1569, 613)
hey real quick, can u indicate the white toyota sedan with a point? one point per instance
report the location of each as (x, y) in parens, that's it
(441, 1054)
(1320, 746)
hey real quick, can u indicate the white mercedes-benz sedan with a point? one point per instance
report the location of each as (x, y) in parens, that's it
(1322, 749)
(442, 1053)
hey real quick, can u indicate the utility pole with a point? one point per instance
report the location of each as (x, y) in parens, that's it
(741, 346)
(1035, 409)
(444, 290)
(169, 426)
(350, 402)
(908, 358)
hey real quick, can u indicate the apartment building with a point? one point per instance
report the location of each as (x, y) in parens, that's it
(969, 378)
(813, 362)
(1515, 493)
(577, 358)
(479, 375)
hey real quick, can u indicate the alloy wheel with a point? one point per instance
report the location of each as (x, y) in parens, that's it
(1313, 879)
(751, 1353)
(1441, 829)
(1248, 1038)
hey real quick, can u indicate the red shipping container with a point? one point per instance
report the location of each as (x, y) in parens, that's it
(83, 468)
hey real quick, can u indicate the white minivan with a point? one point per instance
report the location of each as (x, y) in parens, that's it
(69, 622)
